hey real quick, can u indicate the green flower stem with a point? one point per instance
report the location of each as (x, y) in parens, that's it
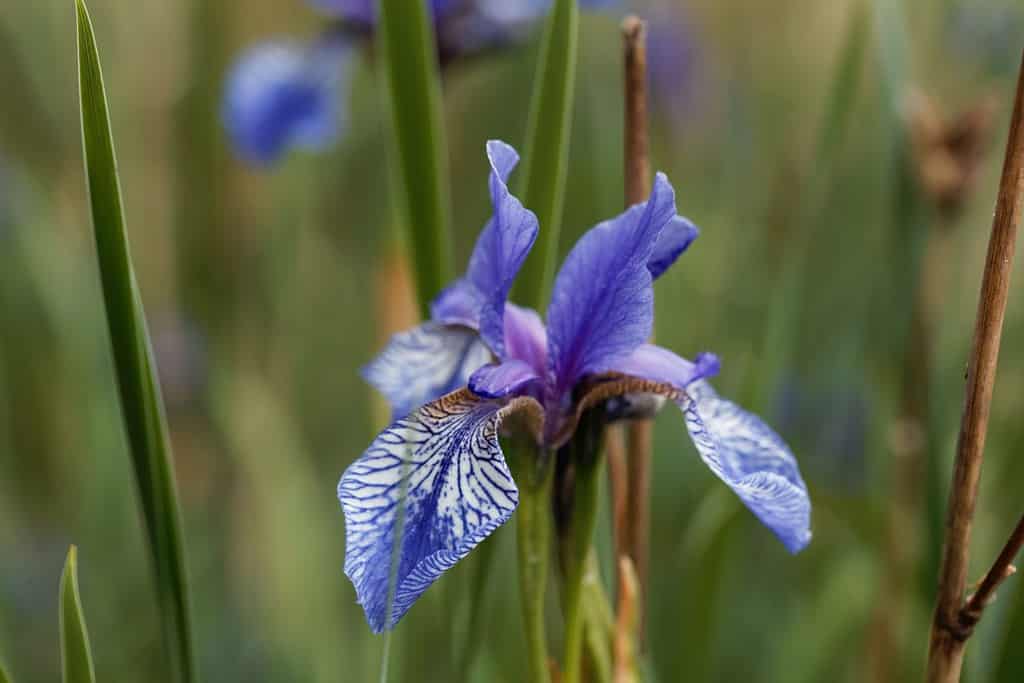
(535, 475)
(414, 90)
(598, 620)
(545, 162)
(584, 520)
(575, 543)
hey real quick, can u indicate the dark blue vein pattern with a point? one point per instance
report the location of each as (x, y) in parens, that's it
(752, 460)
(425, 362)
(439, 476)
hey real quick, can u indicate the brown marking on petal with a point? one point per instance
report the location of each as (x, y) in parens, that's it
(608, 386)
(526, 415)
(522, 413)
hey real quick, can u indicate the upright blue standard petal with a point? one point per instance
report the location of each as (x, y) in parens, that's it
(677, 236)
(281, 95)
(438, 481)
(602, 303)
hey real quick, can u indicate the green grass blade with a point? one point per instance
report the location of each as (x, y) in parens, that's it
(414, 89)
(75, 654)
(546, 157)
(141, 405)
(4, 678)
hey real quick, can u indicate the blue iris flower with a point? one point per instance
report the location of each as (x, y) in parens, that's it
(452, 381)
(283, 95)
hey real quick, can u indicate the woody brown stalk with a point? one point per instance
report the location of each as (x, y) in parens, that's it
(1001, 570)
(633, 513)
(949, 633)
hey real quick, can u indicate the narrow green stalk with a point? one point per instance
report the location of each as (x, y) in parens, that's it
(533, 531)
(598, 619)
(546, 159)
(75, 654)
(4, 678)
(141, 404)
(414, 88)
(584, 520)
(575, 543)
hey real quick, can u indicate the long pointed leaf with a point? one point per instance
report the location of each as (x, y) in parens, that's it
(414, 88)
(75, 654)
(141, 405)
(546, 160)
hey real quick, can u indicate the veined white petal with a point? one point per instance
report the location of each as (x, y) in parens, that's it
(436, 478)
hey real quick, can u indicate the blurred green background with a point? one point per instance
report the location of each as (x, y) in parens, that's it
(795, 140)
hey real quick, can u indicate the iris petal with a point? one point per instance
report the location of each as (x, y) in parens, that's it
(479, 298)
(458, 304)
(425, 362)
(661, 365)
(677, 236)
(502, 247)
(602, 305)
(439, 481)
(525, 337)
(752, 460)
(502, 379)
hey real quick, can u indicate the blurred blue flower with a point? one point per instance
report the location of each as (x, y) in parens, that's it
(441, 462)
(365, 11)
(282, 95)
(673, 60)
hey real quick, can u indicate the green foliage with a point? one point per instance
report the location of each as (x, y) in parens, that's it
(75, 653)
(141, 403)
(546, 156)
(786, 309)
(414, 88)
